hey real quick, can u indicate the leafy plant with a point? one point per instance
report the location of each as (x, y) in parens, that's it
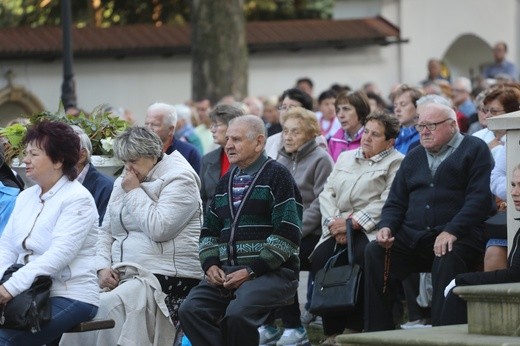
(100, 126)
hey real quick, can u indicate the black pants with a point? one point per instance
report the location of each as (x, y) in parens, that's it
(290, 314)
(213, 315)
(335, 323)
(455, 310)
(404, 260)
(411, 288)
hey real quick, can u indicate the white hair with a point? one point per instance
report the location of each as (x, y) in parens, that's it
(183, 112)
(169, 112)
(464, 82)
(438, 99)
(84, 140)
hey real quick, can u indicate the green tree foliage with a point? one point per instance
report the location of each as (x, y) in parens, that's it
(104, 13)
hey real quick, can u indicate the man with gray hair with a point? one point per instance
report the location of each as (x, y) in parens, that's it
(248, 246)
(161, 118)
(99, 185)
(461, 89)
(433, 217)
(184, 130)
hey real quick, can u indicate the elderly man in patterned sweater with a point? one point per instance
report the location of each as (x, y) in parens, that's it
(433, 217)
(249, 244)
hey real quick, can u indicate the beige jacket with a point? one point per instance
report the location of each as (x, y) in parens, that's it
(358, 188)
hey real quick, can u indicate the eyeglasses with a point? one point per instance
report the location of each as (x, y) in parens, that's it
(285, 107)
(292, 133)
(492, 111)
(431, 126)
(216, 125)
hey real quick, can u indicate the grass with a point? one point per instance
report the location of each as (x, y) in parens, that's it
(315, 334)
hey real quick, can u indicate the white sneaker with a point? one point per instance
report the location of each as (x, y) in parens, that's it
(415, 324)
(294, 337)
(269, 335)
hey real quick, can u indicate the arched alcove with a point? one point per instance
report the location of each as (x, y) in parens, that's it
(16, 101)
(467, 55)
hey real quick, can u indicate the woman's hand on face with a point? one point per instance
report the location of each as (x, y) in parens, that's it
(338, 226)
(5, 296)
(130, 181)
(108, 278)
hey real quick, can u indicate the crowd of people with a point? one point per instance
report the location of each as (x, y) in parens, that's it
(221, 205)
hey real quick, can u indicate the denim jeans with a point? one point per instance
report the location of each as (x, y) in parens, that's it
(66, 313)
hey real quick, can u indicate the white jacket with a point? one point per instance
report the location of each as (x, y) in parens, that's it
(137, 306)
(57, 231)
(156, 225)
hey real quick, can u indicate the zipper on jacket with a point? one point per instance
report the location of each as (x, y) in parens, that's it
(24, 246)
(127, 234)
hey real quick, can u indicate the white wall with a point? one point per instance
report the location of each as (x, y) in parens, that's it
(135, 83)
(432, 26)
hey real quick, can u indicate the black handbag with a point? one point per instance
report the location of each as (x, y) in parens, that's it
(495, 227)
(336, 288)
(30, 309)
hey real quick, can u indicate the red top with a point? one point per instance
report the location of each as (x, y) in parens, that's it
(224, 163)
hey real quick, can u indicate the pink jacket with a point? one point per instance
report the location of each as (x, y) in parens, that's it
(338, 143)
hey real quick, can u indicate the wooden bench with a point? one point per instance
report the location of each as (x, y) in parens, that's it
(92, 325)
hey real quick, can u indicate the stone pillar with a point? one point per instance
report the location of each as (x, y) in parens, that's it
(511, 123)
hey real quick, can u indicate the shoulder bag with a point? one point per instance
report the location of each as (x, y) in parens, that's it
(30, 309)
(336, 288)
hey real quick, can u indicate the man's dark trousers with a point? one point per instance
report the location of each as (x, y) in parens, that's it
(466, 254)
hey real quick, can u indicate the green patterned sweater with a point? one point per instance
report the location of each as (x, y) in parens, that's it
(265, 233)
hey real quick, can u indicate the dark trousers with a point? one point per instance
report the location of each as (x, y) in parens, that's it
(215, 316)
(455, 310)
(335, 323)
(290, 314)
(411, 288)
(404, 260)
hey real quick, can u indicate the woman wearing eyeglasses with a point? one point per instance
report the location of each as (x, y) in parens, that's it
(500, 100)
(215, 163)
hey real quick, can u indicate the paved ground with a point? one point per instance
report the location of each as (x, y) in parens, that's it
(302, 289)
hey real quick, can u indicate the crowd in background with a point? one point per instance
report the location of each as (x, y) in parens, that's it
(343, 149)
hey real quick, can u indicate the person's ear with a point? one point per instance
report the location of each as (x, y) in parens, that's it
(82, 155)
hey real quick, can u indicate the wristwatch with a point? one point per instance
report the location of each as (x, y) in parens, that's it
(251, 273)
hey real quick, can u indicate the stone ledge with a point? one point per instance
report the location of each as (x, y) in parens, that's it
(492, 309)
(447, 335)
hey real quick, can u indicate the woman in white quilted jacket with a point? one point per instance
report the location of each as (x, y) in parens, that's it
(152, 222)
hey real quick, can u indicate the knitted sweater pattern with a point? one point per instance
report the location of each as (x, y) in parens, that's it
(264, 233)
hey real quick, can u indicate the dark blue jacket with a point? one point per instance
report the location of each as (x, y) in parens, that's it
(100, 187)
(456, 200)
(189, 151)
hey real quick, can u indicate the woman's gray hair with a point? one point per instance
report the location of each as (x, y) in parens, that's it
(84, 140)
(225, 113)
(137, 142)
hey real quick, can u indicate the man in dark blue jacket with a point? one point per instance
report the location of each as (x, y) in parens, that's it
(432, 220)
(98, 184)
(161, 119)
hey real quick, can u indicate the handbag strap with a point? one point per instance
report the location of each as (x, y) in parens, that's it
(349, 241)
